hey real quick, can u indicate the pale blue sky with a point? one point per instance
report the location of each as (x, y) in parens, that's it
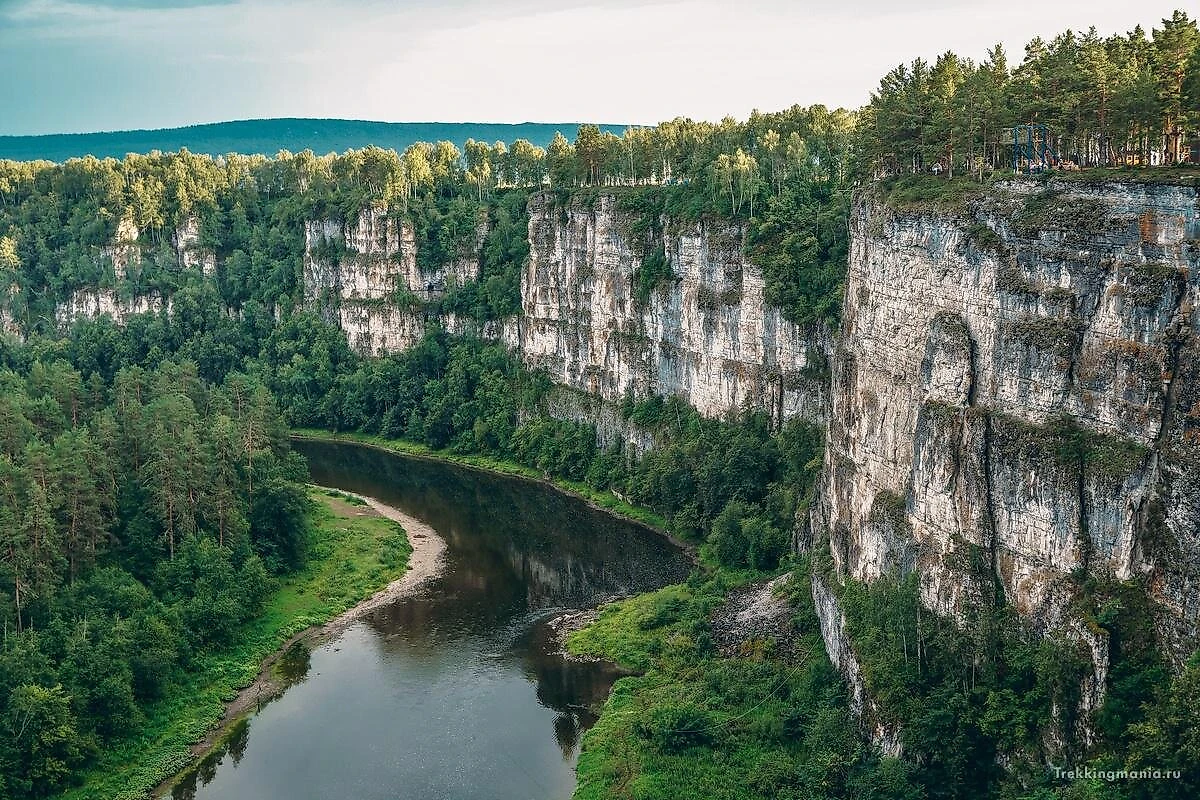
(85, 65)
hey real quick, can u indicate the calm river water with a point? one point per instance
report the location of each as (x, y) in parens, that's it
(455, 693)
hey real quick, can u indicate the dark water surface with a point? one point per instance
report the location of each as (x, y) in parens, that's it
(455, 693)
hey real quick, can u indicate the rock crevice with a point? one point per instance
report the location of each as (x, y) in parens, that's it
(1019, 377)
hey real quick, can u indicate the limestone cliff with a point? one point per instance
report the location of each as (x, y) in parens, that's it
(705, 335)
(363, 276)
(123, 256)
(1015, 403)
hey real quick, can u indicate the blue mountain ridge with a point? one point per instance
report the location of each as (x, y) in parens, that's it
(269, 136)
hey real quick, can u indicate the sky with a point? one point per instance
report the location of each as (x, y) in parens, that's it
(89, 65)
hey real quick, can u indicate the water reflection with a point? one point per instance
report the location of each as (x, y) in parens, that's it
(233, 748)
(292, 666)
(456, 693)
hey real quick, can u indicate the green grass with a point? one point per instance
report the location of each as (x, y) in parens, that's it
(350, 558)
(695, 724)
(634, 632)
(605, 500)
(1175, 175)
(930, 192)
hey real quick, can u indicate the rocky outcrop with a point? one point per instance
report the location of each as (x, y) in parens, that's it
(757, 618)
(841, 654)
(705, 334)
(363, 276)
(612, 425)
(191, 253)
(124, 250)
(96, 303)
(1015, 403)
(124, 254)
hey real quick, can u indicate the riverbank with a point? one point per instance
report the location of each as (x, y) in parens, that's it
(427, 549)
(751, 702)
(603, 501)
(355, 550)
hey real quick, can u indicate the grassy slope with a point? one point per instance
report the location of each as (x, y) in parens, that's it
(351, 557)
(697, 725)
(931, 193)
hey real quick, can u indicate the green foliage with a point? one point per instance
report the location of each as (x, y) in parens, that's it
(1166, 738)
(45, 745)
(800, 240)
(960, 695)
(445, 229)
(1106, 101)
(126, 554)
(1149, 716)
(1137, 674)
(928, 193)
(984, 238)
(469, 397)
(695, 724)
(741, 539)
(565, 449)
(497, 292)
(1063, 441)
(351, 555)
(279, 524)
(675, 728)
(652, 273)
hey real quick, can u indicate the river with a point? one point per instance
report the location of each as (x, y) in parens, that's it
(457, 691)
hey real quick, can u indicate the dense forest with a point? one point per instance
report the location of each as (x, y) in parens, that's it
(194, 536)
(57, 221)
(149, 502)
(143, 518)
(1115, 100)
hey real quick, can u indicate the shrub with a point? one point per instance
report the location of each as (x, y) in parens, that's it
(677, 727)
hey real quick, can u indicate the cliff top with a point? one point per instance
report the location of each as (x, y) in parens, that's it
(930, 193)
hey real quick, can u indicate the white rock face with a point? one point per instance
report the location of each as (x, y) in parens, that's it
(8, 325)
(192, 255)
(841, 654)
(972, 349)
(96, 303)
(124, 253)
(124, 250)
(572, 405)
(363, 276)
(707, 336)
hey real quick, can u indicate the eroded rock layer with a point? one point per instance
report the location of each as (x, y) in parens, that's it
(705, 333)
(363, 276)
(1015, 404)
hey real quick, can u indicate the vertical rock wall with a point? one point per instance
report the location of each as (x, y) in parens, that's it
(124, 255)
(706, 335)
(1015, 402)
(363, 276)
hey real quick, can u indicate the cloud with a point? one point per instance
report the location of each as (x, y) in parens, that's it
(75, 65)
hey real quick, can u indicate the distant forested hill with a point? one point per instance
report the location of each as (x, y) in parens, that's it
(269, 136)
